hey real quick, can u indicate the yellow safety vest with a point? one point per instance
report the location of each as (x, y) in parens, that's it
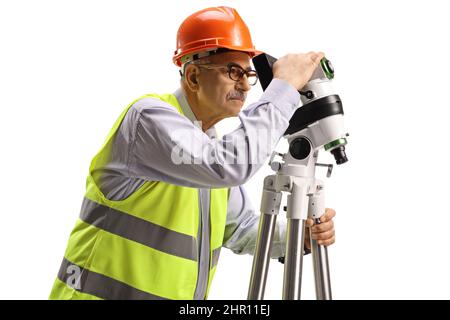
(142, 247)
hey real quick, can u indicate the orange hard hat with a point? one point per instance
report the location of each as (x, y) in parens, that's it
(210, 29)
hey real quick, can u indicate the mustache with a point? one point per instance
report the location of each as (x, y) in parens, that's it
(236, 95)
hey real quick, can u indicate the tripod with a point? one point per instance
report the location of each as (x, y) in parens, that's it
(317, 125)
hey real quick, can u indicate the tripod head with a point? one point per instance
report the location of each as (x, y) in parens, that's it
(319, 122)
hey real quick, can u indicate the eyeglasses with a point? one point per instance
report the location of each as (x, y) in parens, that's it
(235, 72)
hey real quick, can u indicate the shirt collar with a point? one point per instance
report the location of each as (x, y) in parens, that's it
(187, 112)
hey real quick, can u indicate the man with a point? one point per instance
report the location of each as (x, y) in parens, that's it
(164, 193)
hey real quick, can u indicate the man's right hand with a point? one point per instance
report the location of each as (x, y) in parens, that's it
(297, 69)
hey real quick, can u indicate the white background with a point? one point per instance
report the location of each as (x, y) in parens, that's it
(68, 68)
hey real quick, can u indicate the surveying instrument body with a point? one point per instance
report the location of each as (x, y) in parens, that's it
(316, 125)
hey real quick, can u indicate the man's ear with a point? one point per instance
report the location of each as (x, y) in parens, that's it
(191, 75)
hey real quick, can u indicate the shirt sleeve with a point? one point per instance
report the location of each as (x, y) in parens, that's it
(242, 225)
(166, 146)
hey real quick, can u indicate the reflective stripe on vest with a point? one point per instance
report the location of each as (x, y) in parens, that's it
(142, 247)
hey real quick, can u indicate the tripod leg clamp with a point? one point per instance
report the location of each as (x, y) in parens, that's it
(270, 202)
(298, 202)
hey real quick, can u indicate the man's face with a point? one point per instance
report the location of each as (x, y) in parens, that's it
(219, 94)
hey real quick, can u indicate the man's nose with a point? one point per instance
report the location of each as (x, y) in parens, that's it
(242, 84)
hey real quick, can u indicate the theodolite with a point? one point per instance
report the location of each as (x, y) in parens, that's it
(318, 124)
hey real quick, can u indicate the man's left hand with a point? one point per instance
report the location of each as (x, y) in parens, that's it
(322, 232)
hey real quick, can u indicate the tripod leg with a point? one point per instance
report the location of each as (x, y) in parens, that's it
(261, 258)
(270, 206)
(321, 271)
(293, 263)
(319, 252)
(296, 214)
